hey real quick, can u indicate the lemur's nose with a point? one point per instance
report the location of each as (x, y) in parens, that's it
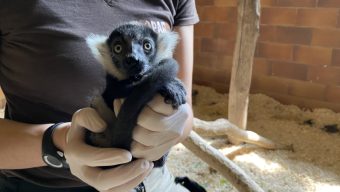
(134, 65)
(132, 60)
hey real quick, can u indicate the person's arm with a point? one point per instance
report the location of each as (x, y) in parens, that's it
(20, 144)
(21, 148)
(184, 55)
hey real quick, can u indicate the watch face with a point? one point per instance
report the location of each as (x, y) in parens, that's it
(52, 161)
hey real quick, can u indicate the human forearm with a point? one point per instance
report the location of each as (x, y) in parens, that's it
(184, 55)
(20, 144)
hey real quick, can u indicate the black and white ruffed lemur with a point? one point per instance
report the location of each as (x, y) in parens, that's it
(138, 64)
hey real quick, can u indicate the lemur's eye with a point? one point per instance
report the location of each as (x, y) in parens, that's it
(147, 46)
(117, 48)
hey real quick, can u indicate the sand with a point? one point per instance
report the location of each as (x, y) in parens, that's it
(314, 166)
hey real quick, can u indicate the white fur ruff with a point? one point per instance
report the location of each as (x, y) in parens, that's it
(101, 51)
(166, 45)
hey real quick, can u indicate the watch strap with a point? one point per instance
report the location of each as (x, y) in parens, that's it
(51, 155)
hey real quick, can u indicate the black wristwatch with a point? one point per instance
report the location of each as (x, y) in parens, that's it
(51, 155)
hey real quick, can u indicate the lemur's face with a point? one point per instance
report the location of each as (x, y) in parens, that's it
(133, 49)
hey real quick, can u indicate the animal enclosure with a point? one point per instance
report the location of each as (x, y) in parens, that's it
(297, 58)
(295, 88)
(296, 62)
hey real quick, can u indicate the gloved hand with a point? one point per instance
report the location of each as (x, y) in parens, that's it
(84, 160)
(159, 127)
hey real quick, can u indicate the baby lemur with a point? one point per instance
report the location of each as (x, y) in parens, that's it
(138, 64)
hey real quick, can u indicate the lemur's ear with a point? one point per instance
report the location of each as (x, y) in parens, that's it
(101, 51)
(166, 44)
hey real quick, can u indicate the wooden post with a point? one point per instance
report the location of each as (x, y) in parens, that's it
(247, 34)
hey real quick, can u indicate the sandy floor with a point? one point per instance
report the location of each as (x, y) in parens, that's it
(314, 166)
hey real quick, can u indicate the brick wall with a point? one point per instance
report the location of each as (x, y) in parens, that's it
(297, 59)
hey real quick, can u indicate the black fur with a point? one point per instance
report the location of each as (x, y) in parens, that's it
(189, 184)
(145, 78)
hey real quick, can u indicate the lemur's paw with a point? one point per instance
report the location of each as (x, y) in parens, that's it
(174, 93)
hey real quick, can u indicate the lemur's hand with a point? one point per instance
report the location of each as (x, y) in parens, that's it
(159, 127)
(85, 160)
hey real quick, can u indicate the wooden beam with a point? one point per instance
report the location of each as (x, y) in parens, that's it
(233, 173)
(247, 34)
(222, 126)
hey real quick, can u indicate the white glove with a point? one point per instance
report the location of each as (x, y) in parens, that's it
(159, 127)
(84, 160)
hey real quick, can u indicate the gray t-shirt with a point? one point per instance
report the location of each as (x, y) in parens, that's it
(47, 72)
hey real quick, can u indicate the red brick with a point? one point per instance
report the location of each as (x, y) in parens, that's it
(221, 75)
(197, 45)
(204, 29)
(225, 31)
(269, 84)
(213, 61)
(267, 3)
(228, 3)
(204, 2)
(261, 67)
(296, 3)
(314, 33)
(205, 60)
(307, 90)
(329, 3)
(313, 55)
(326, 37)
(317, 17)
(279, 16)
(338, 25)
(210, 75)
(289, 70)
(283, 34)
(218, 46)
(225, 62)
(218, 14)
(326, 75)
(202, 74)
(336, 57)
(333, 94)
(294, 35)
(303, 102)
(267, 33)
(274, 51)
(200, 10)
